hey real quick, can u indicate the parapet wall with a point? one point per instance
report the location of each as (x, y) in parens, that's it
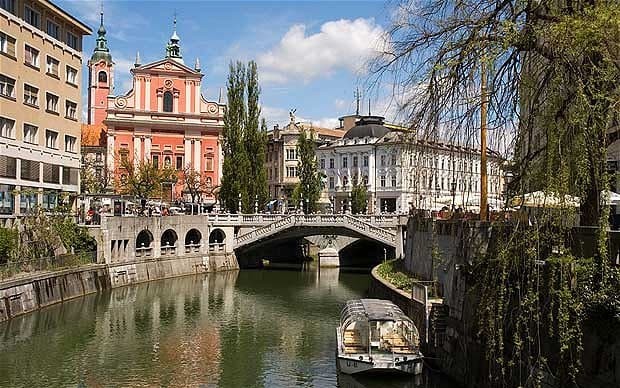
(30, 293)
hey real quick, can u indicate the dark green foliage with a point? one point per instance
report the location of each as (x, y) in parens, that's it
(144, 180)
(8, 244)
(359, 198)
(309, 176)
(244, 175)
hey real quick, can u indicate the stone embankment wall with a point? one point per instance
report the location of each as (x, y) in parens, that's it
(30, 293)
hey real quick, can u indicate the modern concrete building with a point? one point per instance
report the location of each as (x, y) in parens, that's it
(401, 172)
(282, 160)
(40, 105)
(163, 119)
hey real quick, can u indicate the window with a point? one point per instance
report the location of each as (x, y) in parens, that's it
(8, 5)
(291, 154)
(382, 180)
(345, 162)
(7, 198)
(167, 161)
(209, 163)
(393, 180)
(70, 109)
(51, 139)
(53, 29)
(29, 170)
(72, 41)
(394, 160)
(31, 56)
(331, 163)
(365, 180)
(28, 199)
(382, 160)
(51, 173)
(7, 86)
(51, 66)
(355, 161)
(30, 134)
(323, 163)
(31, 16)
(7, 44)
(331, 182)
(7, 128)
(345, 180)
(167, 101)
(51, 102)
(291, 172)
(155, 159)
(179, 162)
(50, 200)
(209, 181)
(102, 77)
(31, 95)
(365, 161)
(71, 75)
(70, 144)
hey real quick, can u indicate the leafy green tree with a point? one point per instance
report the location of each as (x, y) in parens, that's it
(92, 182)
(309, 176)
(244, 173)
(8, 244)
(144, 180)
(359, 198)
(193, 182)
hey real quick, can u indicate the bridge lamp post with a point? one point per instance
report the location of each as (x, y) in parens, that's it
(453, 192)
(256, 204)
(239, 204)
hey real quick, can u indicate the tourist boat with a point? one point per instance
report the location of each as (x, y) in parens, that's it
(376, 336)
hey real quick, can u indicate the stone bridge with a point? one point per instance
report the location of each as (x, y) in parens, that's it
(130, 239)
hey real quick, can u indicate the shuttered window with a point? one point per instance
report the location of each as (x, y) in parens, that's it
(30, 170)
(51, 173)
(8, 167)
(69, 176)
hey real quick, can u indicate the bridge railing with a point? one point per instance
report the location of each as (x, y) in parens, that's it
(144, 251)
(353, 222)
(192, 248)
(261, 219)
(168, 250)
(217, 247)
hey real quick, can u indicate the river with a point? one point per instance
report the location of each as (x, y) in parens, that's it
(254, 328)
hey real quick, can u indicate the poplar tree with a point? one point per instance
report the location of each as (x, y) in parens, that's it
(243, 142)
(236, 163)
(309, 176)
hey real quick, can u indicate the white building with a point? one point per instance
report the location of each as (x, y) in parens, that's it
(401, 172)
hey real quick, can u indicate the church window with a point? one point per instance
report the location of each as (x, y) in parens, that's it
(103, 77)
(167, 102)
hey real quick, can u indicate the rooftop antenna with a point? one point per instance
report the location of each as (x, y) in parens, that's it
(369, 107)
(357, 100)
(219, 99)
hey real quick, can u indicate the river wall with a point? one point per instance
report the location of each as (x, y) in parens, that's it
(441, 250)
(30, 293)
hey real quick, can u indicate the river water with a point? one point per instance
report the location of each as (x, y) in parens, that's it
(231, 329)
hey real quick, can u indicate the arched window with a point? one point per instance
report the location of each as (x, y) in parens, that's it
(103, 77)
(167, 101)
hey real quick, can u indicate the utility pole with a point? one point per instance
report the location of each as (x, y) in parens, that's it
(483, 142)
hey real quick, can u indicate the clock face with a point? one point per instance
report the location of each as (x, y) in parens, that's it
(120, 102)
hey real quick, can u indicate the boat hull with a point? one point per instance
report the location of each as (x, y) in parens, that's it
(350, 365)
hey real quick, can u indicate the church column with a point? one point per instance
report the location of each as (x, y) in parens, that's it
(188, 93)
(110, 153)
(147, 148)
(147, 94)
(197, 97)
(197, 152)
(188, 152)
(160, 101)
(138, 93)
(137, 145)
(176, 102)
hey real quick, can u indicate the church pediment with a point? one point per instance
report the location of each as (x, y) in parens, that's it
(166, 65)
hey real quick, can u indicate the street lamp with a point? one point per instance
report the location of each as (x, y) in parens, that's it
(239, 204)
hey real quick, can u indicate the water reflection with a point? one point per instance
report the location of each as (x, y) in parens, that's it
(233, 329)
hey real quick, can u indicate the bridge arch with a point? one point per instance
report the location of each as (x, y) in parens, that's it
(193, 236)
(217, 236)
(169, 238)
(144, 239)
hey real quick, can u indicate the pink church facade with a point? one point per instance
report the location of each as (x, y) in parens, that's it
(163, 119)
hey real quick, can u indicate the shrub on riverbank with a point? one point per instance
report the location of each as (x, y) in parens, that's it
(394, 272)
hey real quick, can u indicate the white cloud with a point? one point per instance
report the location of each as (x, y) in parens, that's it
(123, 80)
(326, 122)
(340, 44)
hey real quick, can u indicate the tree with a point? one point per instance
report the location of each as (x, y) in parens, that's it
(193, 182)
(359, 198)
(144, 179)
(309, 175)
(244, 143)
(550, 71)
(93, 181)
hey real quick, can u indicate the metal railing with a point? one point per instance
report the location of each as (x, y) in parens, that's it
(61, 262)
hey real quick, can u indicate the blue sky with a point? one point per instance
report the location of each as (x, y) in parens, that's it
(311, 54)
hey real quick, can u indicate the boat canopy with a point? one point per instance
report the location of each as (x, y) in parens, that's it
(372, 310)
